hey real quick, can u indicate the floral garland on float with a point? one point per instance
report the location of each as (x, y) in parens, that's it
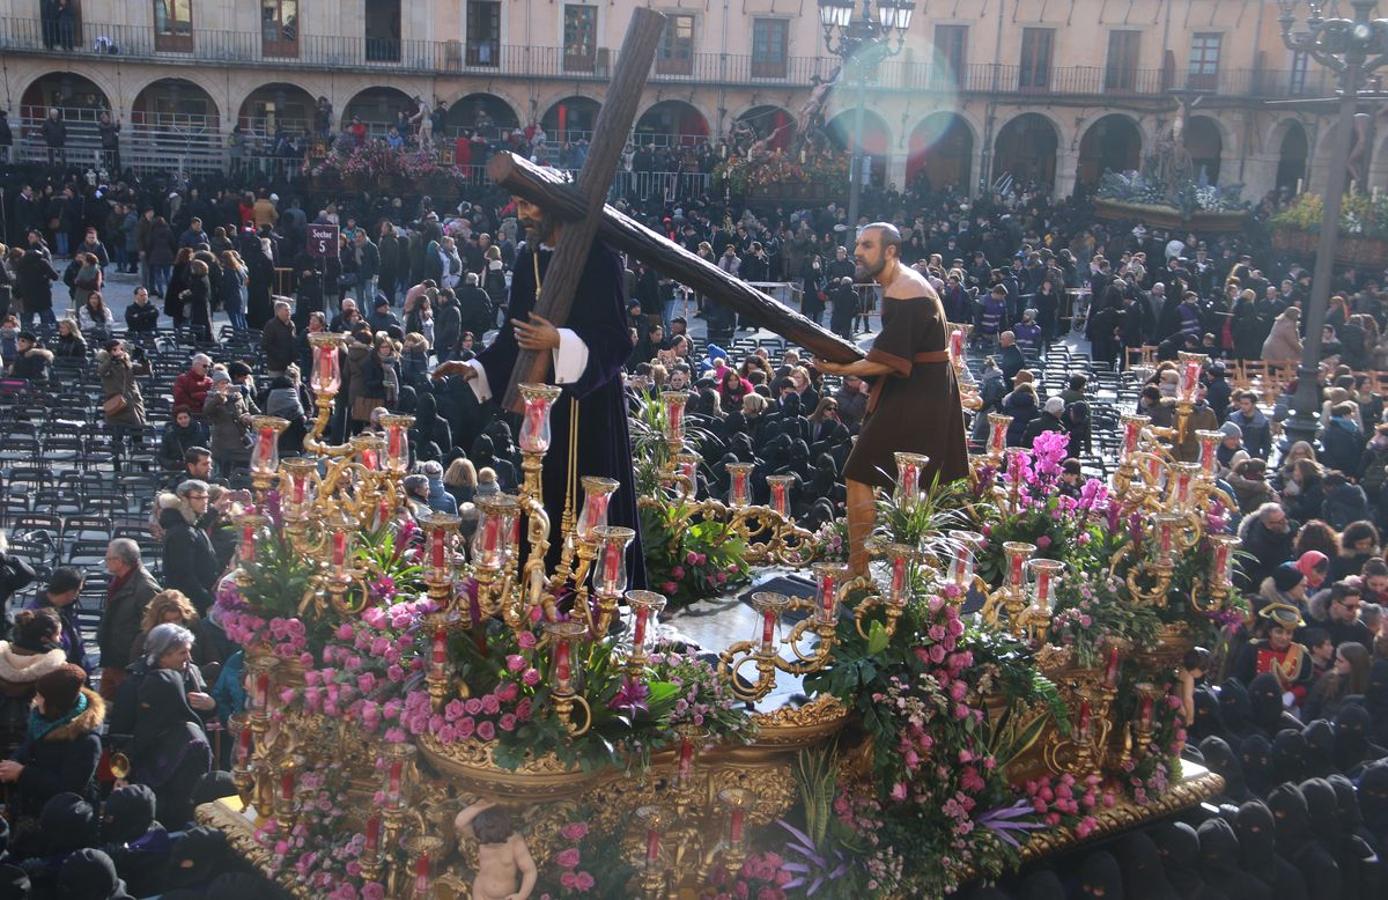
(421, 704)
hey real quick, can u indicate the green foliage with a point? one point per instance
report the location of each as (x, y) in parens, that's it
(689, 562)
(1361, 215)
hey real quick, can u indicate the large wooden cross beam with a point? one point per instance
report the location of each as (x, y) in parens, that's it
(551, 191)
(610, 132)
(582, 206)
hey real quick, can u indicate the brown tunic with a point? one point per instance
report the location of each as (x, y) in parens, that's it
(917, 407)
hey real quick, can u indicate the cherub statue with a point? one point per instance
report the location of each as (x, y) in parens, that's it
(505, 868)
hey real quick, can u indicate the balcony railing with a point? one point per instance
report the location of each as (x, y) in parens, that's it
(140, 42)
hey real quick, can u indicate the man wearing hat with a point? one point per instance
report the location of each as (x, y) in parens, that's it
(1274, 650)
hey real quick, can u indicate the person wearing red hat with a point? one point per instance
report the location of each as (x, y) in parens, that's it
(1314, 565)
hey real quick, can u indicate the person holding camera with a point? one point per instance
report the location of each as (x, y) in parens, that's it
(228, 411)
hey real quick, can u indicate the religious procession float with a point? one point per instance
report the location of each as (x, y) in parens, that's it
(431, 716)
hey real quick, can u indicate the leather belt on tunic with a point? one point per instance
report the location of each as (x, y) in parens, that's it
(927, 357)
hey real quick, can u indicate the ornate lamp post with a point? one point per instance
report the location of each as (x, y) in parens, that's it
(1352, 49)
(863, 41)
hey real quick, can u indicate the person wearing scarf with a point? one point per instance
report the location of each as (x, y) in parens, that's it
(32, 652)
(60, 752)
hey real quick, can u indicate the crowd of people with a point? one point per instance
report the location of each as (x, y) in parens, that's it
(419, 281)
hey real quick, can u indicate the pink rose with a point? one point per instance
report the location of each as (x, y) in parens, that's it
(366, 683)
(899, 791)
(526, 640)
(465, 728)
(344, 631)
(531, 677)
(453, 711)
(473, 706)
(584, 881)
(515, 662)
(486, 731)
(568, 858)
(508, 722)
(491, 705)
(677, 572)
(574, 831)
(669, 587)
(569, 880)
(508, 692)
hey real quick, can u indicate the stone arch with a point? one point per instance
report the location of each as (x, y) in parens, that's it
(767, 120)
(877, 138)
(571, 118)
(1293, 155)
(676, 122)
(941, 152)
(1027, 148)
(1205, 141)
(482, 109)
(1112, 143)
(277, 104)
(175, 102)
(378, 107)
(79, 99)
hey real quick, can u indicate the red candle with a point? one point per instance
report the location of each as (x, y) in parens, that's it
(247, 543)
(535, 423)
(244, 753)
(383, 511)
(1145, 716)
(898, 577)
(597, 510)
(1084, 718)
(686, 758)
(956, 345)
(262, 690)
(735, 826)
(373, 833)
(421, 875)
(1111, 669)
(778, 497)
(393, 783)
(639, 638)
(339, 548)
(1018, 560)
(395, 441)
(287, 786)
(300, 486)
(828, 597)
(768, 623)
(491, 534)
(439, 547)
(440, 647)
(267, 445)
(612, 559)
(652, 845)
(368, 459)
(563, 668)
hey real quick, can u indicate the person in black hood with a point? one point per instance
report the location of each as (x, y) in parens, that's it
(1269, 713)
(1043, 884)
(1207, 718)
(67, 824)
(1352, 746)
(1143, 875)
(1255, 758)
(1100, 877)
(1219, 854)
(1291, 757)
(1179, 847)
(1352, 820)
(1373, 800)
(1257, 832)
(1236, 709)
(1320, 748)
(1297, 843)
(90, 875)
(169, 752)
(15, 883)
(1376, 701)
(1323, 810)
(135, 841)
(1220, 758)
(430, 438)
(198, 857)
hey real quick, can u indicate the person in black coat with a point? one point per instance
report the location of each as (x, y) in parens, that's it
(448, 325)
(190, 563)
(63, 745)
(198, 299)
(35, 275)
(169, 752)
(141, 316)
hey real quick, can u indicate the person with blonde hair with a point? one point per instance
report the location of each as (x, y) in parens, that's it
(460, 480)
(165, 606)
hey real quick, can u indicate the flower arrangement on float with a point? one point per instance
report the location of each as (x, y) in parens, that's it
(958, 713)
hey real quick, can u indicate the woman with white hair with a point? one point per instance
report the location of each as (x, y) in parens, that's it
(169, 751)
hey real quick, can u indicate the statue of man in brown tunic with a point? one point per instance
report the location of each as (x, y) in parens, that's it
(914, 403)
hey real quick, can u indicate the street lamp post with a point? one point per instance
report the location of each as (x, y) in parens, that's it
(1351, 48)
(862, 42)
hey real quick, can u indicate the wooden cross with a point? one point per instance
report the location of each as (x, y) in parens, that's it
(582, 207)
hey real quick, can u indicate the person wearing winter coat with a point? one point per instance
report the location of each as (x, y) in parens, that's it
(228, 411)
(117, 375)
(169, 751)
(1050, 419)
(63, 744)
(190, 388)
(1342, 438)
(32, 651)
(277, 341)
(157, 249)
(190, 562)
(32, 362)
(181, 435)
(132, 588)
(34, 274)
(1253, 425)
(1283, 343)
(197, 299)
(141, 316)
(61, 596)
